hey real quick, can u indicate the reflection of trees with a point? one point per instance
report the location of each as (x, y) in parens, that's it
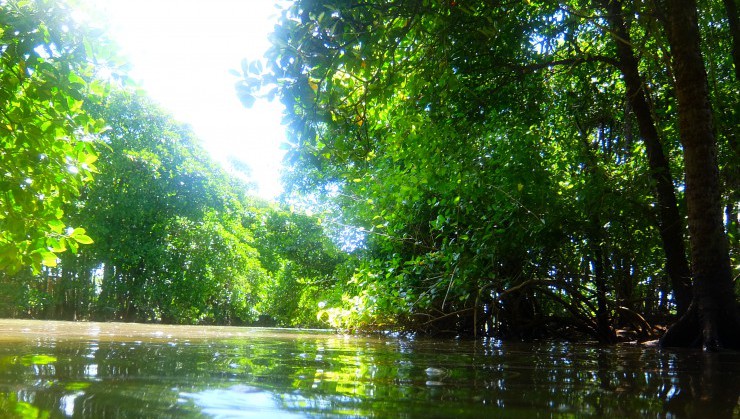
(362, 377)
(703, 386)
(88, 380)
(548, 378)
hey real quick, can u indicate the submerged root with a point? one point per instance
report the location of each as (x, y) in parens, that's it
(711, 330)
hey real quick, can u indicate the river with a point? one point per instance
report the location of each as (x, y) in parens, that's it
(110, 370)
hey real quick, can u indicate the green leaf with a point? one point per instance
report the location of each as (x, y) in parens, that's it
(83, 239)
(28, 360)
(77, 232)
(56, 226)
(73, 246)
(76, 386)
(58, 246)
(49, 259)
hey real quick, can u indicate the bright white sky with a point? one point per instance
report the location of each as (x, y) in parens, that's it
(181, 52)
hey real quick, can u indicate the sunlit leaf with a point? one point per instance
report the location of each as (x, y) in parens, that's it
(82, 239)
(49, 259)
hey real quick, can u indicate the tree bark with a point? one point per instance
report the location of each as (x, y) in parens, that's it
(714, 307)
(669, 222)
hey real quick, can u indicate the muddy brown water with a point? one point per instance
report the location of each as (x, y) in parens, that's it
(102, 370)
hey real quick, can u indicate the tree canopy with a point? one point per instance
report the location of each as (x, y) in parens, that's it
(168, 235)
(175, 239)
(46, 76)
(517, 168)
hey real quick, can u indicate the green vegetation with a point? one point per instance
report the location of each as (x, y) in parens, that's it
(175, 239)
(162, 233)
(518, 168)
(46, 75)
(521, 170)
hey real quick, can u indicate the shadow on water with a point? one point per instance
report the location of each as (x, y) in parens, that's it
(113, 370)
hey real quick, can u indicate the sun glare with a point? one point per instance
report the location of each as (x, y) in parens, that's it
(181, 52)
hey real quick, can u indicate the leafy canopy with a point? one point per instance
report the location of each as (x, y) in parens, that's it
(47, 151)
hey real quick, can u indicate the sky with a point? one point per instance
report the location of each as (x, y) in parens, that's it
(181, 52)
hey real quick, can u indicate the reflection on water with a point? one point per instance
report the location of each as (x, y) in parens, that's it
(238, 401)
(56, 369)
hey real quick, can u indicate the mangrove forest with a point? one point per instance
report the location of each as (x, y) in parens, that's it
(518, 170)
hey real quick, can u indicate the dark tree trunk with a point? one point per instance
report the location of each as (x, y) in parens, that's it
(605, 331)
(670, 224)
(105, 301)
(713, 318)
(731, 8)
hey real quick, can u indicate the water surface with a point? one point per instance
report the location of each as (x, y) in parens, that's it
(95, 370)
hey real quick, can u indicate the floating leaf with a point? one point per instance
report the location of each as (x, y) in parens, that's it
(37, 359)
(76, 386)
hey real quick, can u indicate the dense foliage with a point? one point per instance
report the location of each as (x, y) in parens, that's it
(46, 75)
(175, 238)
(168, 235)
(517, 168)
(523, 169)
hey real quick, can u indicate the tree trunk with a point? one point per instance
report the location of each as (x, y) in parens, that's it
(670, 224)
(605, 330)
(713, 318)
